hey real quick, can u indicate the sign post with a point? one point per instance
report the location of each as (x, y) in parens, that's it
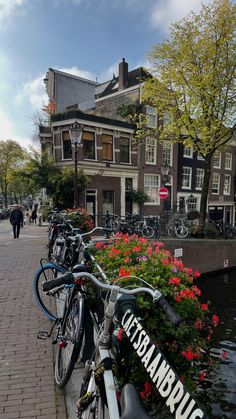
(163, 193)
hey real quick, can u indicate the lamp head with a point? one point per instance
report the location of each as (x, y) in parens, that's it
(75, 131)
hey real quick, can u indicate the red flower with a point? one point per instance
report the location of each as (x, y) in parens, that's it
(196, 290)
(174, 281)
(190, 355)
(202, 376)
(204, 307)
(198, 324)
(120, 334)
(188, 271)
(124, 272)
(196, 274)
(215, 320)
(137, 249)
(146, 393)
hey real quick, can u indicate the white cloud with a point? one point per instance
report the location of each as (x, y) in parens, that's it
(165, 12)
(78, 72)
(7, 8)
(32, 93)
(8, 132)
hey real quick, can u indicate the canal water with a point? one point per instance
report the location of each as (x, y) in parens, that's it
(219, 390)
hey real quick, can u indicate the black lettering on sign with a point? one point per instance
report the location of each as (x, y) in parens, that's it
(179, 401)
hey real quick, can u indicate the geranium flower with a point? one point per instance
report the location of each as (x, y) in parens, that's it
(146, 393)
(198, 324)
(215, 320)
(120, 334)
(174, 281)
(196, 274)
(124, 272)
(190, 355)
(137, 249)
(204, 307)
(202, 376)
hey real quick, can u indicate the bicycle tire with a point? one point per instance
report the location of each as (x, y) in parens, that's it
(148, 232)
(47, 303)
(182, 232)
(69, 340)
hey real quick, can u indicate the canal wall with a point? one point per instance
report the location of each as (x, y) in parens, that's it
(204, 255)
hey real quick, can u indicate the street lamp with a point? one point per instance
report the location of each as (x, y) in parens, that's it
(165, 177)
(75, 131)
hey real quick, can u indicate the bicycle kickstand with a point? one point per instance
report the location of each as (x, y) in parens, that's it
(44, 335)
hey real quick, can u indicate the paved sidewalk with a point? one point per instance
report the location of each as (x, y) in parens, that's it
(27, 387)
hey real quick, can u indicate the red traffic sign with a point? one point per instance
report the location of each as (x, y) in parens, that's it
(163, 193)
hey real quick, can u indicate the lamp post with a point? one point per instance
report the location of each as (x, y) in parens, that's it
(75, 131)
(165, 169)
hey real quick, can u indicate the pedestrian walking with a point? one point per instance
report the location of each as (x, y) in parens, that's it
(27, 217)
(34, 216)
(16, 220)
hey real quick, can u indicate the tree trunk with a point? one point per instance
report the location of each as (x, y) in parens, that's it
(205, 190)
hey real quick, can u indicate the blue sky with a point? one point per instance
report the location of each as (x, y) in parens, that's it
(83, 37)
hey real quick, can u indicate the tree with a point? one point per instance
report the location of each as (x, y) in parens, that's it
(12, 156)
(40, 172)
(194, 83)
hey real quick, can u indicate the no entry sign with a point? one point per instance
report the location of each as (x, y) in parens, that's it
(163, 193)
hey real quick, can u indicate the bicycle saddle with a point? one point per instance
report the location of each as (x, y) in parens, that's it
(131, 405)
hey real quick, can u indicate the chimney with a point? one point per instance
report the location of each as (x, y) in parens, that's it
(123, 74)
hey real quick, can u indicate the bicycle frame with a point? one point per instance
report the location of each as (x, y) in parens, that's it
(169, 386)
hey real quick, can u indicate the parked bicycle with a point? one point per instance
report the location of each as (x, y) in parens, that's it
(178, 228)
(99, 389)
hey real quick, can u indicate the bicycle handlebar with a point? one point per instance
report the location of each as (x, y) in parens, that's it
(156, 295)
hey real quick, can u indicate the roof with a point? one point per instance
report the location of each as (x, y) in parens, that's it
(78, 114)
(135, 77)
(63, 73)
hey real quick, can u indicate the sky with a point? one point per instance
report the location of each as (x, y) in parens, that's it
(87, 38)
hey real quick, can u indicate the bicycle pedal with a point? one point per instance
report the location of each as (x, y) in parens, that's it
(42, 335)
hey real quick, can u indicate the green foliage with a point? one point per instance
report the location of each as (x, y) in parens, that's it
(186, 347)
(138, 196)
(80, 218)
(193, 88)
(12, 157)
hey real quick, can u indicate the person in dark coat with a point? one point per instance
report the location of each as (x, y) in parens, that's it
(34, 216)
(16, 220)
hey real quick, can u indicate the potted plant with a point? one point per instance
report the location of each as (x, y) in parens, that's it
(210, 231)
(186, 347)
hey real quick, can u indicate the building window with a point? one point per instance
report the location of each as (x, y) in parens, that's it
(108, 202)
(124, 150)
(151, 187)
(167, 153)
(216, 183)
(192, 202)
(150, 151)
(199, 156)
(199, 178)
(151, 115)
(227, 184)
(188, 152)
(89, 148)
(107, 147)
(186, 177)
(128, 184)
(217, 160)
(66, 146)
(228, 161)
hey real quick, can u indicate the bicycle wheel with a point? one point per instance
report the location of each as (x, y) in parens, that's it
(69, 339)
(181, 232)
(147, 232)
(47, 303)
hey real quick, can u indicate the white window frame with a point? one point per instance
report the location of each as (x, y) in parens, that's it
(151, 151)
(151, 117)
(217, 160)
(167, 153)
(227, 184)
(228, 161)
(216, 182)
(189, 175)
(199, 178)
(200, 157)
(151, 188)
(188, 152)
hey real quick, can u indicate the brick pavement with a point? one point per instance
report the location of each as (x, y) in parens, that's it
(27, 387)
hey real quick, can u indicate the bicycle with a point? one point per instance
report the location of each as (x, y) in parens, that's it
(50, 302)
(178, 228)
(98, 393)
